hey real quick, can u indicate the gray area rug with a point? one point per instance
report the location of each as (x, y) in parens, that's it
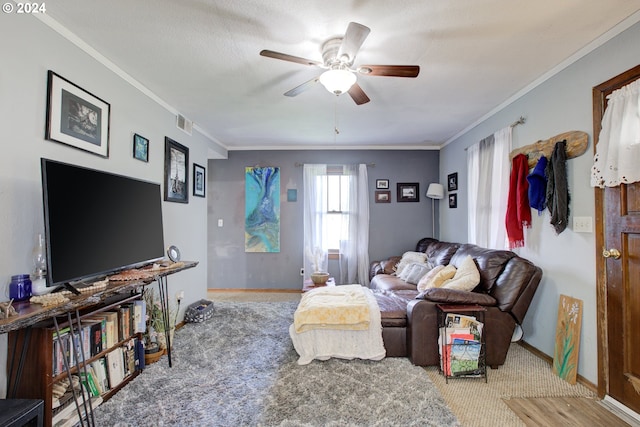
(239, 369)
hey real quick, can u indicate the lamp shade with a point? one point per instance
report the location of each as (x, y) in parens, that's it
(435, 191)
(337, 81)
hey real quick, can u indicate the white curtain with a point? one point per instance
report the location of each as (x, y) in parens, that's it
(315, 205)
(353, 226)
(618, 150)
(354, 252)
(488, 184)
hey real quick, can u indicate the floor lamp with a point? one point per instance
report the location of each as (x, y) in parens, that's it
(435, 191)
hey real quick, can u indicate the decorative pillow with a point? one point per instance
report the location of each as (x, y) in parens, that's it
(436, 277)
(416, 272)
(408, 258)
(466, 278)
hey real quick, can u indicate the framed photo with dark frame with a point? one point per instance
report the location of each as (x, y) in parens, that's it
(383, 196)
(199, 181)
(176, 172)
(382, 184)
(140, 148)
(453, 200)
(452, 181)
(408, 192)
(76, 117)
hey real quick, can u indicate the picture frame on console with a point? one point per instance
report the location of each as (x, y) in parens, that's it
(76, 117)
(140, 148)
(176, 173)
(408, 192)
(199, 181)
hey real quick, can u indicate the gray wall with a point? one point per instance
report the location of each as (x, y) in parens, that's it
(394, 227)
(562, 103)
(33, 49)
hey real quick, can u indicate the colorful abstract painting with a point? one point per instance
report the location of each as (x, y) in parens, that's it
(262, 209)
(565, 358)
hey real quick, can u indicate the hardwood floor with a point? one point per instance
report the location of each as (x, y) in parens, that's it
(563, 411)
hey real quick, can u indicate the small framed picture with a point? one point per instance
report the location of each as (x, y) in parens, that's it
(408, 192)
(140, 148)
(76, 117)
(382, 184)
(383, 196)
(198, 180)
(292, 195)
(176, 174)
(452, 181)
(453, 200)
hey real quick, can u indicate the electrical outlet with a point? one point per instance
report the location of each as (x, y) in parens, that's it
(180, 295)
(582, 224)
(220, 222)
(302, 271)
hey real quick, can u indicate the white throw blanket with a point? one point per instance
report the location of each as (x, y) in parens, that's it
(333, 307)
(323, 344)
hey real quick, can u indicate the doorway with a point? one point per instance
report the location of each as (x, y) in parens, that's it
(618, 272)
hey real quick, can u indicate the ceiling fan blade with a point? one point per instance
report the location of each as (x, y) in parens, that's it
(353, 39)
(290, 58)
(358, 95)
(390, 70)
(304, 86)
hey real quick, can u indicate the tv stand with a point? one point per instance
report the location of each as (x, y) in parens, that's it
(32, 334)
(68, 286)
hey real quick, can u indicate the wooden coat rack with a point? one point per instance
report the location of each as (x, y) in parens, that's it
(577, 143)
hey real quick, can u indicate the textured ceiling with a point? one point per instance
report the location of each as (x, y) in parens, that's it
(202, 58)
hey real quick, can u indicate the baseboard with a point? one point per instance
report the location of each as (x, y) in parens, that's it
(290, 291)
(582, 380)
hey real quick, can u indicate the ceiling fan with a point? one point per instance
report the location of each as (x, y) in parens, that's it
(338, 55)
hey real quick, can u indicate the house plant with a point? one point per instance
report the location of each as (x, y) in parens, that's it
(154, 336)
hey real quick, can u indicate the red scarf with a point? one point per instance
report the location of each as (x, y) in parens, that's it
(518, 210)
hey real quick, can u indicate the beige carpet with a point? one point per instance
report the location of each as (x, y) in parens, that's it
(479, 404)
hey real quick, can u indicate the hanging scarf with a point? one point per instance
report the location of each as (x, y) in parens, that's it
(557, 188)
(518, 210)
(538, 186)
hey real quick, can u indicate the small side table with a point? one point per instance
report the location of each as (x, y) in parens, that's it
(476, 311)
(308, 284)
(21, 412)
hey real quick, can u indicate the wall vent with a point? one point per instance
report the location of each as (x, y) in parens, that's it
(184, 124)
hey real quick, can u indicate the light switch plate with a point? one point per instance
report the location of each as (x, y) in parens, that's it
(582, 224)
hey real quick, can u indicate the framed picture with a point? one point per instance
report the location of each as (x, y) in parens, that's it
(292, 195)
(198, 180)
(382, 184)
(452, 181)
(176, 174)
(383, 196)
(453, 200)
(140, 148)
(408, 192)
(76, 117)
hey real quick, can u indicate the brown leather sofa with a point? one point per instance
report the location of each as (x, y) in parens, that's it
(410, 319)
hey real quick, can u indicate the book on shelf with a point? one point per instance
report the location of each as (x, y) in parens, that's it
(100, 368)
(140, 314)
(115, 364)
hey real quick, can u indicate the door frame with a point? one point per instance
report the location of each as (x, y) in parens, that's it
(600, 93)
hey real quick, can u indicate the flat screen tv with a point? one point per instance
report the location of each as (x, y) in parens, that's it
(98, 223)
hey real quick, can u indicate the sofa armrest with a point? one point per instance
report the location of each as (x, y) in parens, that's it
(386, 266)
(454, 296)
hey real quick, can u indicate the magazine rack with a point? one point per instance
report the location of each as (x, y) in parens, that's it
(462, 343)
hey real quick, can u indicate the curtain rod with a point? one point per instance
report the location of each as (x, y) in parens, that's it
(298, 164)
(522, 120)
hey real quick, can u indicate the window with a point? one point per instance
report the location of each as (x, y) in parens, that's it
(337, 214)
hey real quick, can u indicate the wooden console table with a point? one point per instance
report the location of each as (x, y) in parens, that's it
(37, 318)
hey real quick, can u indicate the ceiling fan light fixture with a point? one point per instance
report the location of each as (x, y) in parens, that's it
(337, 81)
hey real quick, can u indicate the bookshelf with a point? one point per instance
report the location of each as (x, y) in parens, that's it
(461, 342)
(47, 344)
(32, 365)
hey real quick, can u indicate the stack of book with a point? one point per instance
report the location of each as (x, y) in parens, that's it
(460, 345)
